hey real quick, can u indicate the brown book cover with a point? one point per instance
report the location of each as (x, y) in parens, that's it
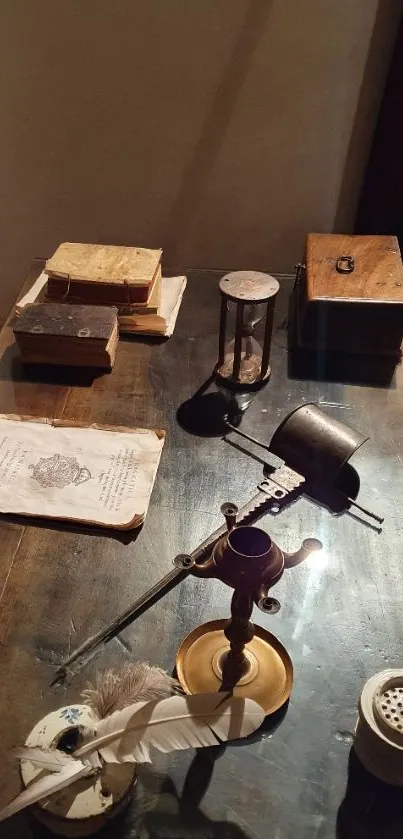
(104, 273)
(160, 324)
(64, 320)
(58, 333)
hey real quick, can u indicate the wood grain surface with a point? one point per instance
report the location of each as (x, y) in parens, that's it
(341, 616)
(377, 274)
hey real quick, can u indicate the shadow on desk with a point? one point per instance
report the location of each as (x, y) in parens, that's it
(156, 811)
(205, 414)
(12, 369)
(371, 809)
(311, 365)
(125, 537)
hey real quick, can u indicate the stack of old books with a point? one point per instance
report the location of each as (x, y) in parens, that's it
(126, 277)
(77, 335)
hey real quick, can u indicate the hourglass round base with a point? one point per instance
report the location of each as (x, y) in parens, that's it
(244, 383)
(268, 673)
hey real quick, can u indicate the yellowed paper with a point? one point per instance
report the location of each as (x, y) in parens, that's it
(34, 292)
(81, 474)
(172, 291)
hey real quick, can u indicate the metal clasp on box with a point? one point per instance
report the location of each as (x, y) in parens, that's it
(345, 264)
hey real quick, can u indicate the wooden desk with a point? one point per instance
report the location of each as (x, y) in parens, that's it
(341, 616)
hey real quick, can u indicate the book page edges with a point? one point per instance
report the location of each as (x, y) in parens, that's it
(62, 423)
(137, 519)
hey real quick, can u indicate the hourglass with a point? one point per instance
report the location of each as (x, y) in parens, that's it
(247, 296)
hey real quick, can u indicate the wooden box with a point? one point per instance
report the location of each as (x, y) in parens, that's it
(348, 297)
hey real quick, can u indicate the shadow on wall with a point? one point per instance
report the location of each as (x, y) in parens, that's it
(366, 114)
(220, 135)
(215, 125)
(381, 204)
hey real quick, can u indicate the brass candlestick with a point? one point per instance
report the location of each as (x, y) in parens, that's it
(316, 450)
(236, 654)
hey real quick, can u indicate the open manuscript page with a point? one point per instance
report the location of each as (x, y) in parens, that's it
(88, 474)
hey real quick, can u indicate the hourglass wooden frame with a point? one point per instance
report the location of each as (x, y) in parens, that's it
(245, 288)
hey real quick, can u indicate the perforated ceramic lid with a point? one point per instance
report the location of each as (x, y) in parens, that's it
(388, 708)
(379, 734)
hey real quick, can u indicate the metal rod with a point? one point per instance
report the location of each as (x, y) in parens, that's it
(223, 328)
(134, 611)
(249, 512)
(238, 341)
(267, 338)
(267, 447)
(248, 437)
(363, 510)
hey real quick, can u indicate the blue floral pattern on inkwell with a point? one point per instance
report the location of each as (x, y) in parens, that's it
(71, 714)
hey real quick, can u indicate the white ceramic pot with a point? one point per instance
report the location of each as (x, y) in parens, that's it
(379, 732)
(89, 803)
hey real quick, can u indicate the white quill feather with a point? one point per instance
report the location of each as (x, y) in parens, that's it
(179, 722)
(52, 760)
(46, 786)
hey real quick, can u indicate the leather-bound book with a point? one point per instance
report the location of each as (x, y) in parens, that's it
(103, 274)
(64, 334)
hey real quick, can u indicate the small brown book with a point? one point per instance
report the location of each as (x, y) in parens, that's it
(64, 334)
(103, 274)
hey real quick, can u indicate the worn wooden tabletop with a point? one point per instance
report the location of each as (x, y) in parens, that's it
(341, 616)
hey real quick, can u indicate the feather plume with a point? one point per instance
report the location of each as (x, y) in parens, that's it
(46, 786)
(179, 722)
(137, 681)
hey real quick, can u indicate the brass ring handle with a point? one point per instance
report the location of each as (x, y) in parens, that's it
(345, 264)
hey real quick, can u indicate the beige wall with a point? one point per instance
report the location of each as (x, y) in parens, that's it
(222, 130)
